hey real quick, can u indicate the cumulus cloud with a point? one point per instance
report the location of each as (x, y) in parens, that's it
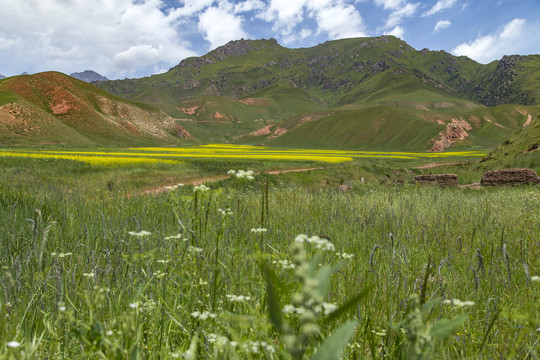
(398, 31)
(220, 25)
(338, 21)
(78, 34)
(336, 18)
(441, 24)
(440, 6)
(400, 9)
(511, 39)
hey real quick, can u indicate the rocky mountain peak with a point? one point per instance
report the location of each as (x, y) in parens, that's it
(88, 76)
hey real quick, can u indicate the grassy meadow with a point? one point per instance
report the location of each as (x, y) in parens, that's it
(257, 266)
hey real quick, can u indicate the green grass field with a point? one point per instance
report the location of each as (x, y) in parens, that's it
(91, 267)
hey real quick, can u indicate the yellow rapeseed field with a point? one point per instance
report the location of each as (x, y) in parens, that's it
(149, 155)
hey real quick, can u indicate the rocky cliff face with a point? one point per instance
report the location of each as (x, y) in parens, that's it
(88, 76)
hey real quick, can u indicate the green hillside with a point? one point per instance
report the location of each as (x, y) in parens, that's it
(350, 93)
(55, 108)
(522, 149)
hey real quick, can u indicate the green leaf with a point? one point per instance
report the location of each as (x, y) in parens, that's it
(348, 305)
(134, 352)
(332, 348)
(446, 327)
(323, 277)
(272, 298)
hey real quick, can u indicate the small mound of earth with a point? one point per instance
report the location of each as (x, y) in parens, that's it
(509, 177)
(437, 179)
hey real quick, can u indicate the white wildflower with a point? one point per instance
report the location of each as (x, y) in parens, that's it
(285, 264)
(344, 255)
(328, 308)
(259, 230)
(225, 212)
(61, 306)
(237, 298)
(242, 174)
(141, 233)
(318, 242)
(13, 344)
(201, 188)
(219, 340)
(173, 237)
(89, 275)
(289, 309)
(203, 315)
(61, 255)
(194, 249)
(535, 278)
(174, 187)
(109, 333)
(458, 303)
(134, 305)
(301, 238)
(161, 261)
(159, 274)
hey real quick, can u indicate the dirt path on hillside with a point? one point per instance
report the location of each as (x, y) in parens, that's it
(432, 165)
(200, 181)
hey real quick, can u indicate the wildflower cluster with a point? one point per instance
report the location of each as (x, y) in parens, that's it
(225, 212)
(458, 303)
(255, 347)
(201, 188)
(322, 309)
(284, 264)
(344, 255)
(204, 315)
(174, 187)
(241, 174)
(174, 237)
(61, 255)
(237, 298)
(141, 233)
(259, 230)
(318, 242)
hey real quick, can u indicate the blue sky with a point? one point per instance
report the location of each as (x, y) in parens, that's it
(135, 38)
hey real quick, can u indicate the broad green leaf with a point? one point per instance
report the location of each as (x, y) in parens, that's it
(348, 305)
(445, 327)
(323, 277)
(274, 307)
(332, 348)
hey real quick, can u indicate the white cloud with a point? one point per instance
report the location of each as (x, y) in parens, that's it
(6, 43)
(512, 39)
(220, 26)
(441, 24)
(78, 34)
(249, 5)
(337, 18)
(440, 6)
(400, 9)
(396, 17)
(339, 21)
(192, 7)
(389, 4)
(398, 32)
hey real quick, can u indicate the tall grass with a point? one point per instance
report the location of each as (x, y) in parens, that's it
(92, 275)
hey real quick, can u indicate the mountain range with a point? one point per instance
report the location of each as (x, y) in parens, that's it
(362, 93)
